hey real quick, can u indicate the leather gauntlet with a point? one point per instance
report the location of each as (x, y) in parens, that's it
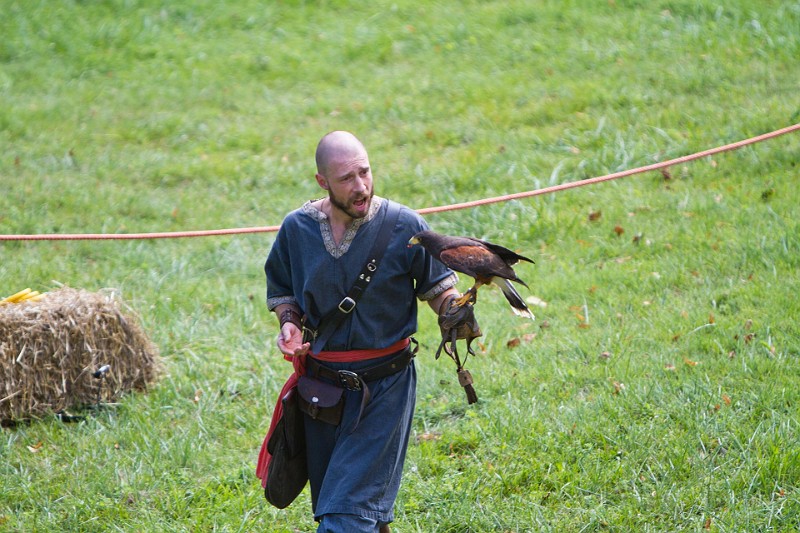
(455, 323)
(290, 315)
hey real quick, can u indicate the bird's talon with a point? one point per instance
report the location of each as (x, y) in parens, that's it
(461, 301)
(466, 298)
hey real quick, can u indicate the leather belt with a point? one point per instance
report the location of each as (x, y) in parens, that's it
(355, 381)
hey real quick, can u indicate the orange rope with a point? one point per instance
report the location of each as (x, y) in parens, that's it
(608, 177)
(133, 236)
(424, 211)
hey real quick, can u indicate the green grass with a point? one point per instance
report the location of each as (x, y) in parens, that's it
(657, 390)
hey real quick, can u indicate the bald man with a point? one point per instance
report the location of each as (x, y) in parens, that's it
(355, 463)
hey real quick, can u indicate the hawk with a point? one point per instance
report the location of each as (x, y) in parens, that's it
(485, 262)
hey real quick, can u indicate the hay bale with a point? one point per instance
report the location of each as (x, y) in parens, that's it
(50, 349)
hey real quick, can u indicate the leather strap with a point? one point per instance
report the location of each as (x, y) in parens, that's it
(354, 380)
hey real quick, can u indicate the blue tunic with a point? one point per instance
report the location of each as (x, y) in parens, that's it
(358, 473)
(306, 267)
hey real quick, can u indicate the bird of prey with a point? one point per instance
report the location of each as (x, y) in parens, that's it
(481, 260)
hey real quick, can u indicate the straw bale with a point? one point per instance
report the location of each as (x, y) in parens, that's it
(50, 349)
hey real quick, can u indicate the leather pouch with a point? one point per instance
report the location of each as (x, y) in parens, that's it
(321, 401)
(287, 473)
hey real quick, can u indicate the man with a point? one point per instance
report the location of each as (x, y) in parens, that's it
(355, 466)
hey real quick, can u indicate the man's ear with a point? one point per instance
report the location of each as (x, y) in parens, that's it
(321, 181)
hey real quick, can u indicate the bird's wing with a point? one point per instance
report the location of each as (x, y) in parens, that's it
(509, 256)
(476, 261)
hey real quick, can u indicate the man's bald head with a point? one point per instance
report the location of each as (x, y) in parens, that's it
(337, 146)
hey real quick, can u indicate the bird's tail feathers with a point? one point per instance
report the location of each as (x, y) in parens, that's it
(520, 282)
(516, 301)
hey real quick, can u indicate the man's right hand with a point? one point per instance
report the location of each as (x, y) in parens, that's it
(290, 341)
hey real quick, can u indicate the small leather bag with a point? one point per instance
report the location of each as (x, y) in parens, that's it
(321, 401)
(288, 472)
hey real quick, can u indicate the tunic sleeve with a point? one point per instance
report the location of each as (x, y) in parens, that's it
(278, 269)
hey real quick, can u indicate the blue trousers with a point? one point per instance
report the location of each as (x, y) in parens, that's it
(355, 475)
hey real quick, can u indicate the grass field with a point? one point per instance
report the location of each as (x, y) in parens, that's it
(658, 389)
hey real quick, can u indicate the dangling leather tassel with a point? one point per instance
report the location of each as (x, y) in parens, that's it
(465, 380)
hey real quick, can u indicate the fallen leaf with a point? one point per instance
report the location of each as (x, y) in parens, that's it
(513, 343)
(618, 387)
(689, 362)
(528, 337)
(535, 300)
(669, 367)
(197, 394)
(605, 355)
(595, 215)
(726, 399)
(428, 436)
(619, 230)
(711, 318)
(36, 447)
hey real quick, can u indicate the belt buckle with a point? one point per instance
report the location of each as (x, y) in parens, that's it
(347, 305)
(349, 380)
(309, 335)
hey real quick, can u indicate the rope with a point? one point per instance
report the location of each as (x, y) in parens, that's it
(424, 211)
(609, 177)
(134, 236)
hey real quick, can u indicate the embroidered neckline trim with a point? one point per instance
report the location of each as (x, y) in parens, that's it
(327, 233)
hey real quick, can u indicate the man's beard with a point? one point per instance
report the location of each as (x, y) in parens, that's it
(347, 208)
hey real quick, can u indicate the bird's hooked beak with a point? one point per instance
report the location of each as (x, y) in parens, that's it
(412, 241)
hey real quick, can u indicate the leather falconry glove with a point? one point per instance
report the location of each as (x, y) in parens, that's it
(455, 323)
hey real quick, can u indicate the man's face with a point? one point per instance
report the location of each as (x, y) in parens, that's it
(349, 185)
